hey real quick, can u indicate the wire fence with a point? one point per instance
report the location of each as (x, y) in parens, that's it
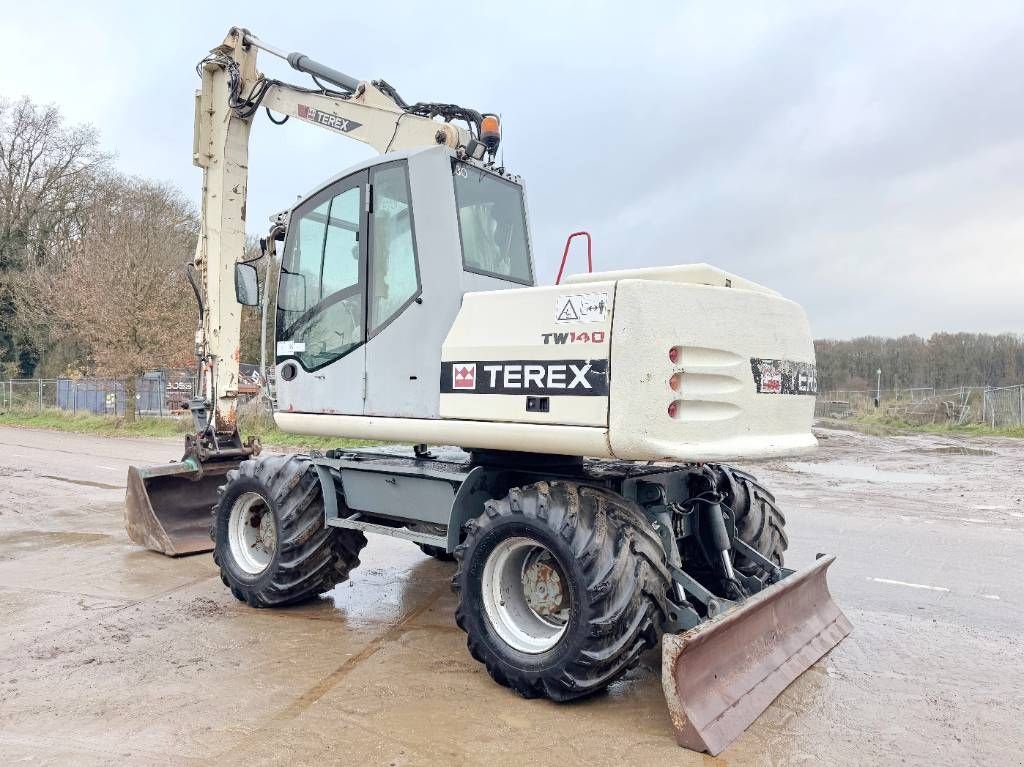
(167, 393)
(160, 393)
(998, 407)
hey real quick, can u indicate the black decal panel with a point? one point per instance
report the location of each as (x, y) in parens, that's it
(784, 376)
(554, 378)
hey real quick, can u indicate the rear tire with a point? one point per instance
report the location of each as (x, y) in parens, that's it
(609, 587)
(271, 543)
(759, 521)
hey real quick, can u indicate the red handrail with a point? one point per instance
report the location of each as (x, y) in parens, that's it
(565, 254)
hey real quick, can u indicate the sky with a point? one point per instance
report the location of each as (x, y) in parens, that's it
(864, 159)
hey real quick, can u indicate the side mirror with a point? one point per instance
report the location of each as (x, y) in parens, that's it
(247, 284)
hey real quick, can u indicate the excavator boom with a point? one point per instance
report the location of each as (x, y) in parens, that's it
(167, 507)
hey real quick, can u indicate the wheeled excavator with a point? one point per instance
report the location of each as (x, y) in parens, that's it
(585, 501)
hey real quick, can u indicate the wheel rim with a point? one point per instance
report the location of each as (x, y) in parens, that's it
(526, 595)
(252, 533)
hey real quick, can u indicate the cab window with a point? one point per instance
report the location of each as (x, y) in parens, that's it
(320, 297)
(394, 275)
(492, 225)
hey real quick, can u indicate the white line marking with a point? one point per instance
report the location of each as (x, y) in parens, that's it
(975, 521)
(108, 468)
(911, 585)
(990, 596)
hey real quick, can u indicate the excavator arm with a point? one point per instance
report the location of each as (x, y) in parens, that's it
(232, 93)
(162, 513)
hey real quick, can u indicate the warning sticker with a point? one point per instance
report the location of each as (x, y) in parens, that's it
(583, 307)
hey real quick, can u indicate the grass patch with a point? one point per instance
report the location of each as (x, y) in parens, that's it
(886, 425)
(113, 426)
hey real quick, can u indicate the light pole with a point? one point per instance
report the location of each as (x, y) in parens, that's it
(878, 388)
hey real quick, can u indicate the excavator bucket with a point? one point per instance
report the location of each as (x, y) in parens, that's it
(720, 676)
(169, 508)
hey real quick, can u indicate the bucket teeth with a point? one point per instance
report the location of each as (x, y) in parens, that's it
(720, 676)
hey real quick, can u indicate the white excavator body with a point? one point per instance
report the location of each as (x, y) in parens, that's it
(584, 502)
(661, 364)
(425, 329)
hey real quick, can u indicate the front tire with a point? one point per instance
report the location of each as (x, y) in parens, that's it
(561, 588)
(271, 543)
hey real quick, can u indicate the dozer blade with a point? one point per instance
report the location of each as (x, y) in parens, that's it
(720, 676)
(169, 508)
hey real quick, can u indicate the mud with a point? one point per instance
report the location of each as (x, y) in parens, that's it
(951, 450)
(111, 654)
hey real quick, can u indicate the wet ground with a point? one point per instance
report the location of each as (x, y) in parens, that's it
(112, 655)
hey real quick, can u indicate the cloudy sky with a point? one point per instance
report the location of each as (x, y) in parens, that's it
(866, 160)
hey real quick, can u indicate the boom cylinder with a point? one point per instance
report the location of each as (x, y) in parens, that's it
(303, 63)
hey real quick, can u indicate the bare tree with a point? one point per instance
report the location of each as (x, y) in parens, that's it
(47, 177)
(122, 297)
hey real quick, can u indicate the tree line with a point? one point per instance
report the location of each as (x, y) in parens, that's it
(91, 260)
(943, 360)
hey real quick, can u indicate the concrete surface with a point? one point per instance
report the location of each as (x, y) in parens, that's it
(113, 655)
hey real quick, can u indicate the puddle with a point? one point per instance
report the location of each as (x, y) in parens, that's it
(18, 543)
(950, 450)
(840, 470)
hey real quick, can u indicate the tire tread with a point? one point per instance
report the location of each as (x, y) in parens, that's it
(625, 579)
(311, 557)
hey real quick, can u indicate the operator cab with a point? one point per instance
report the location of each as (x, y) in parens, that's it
(373, 270)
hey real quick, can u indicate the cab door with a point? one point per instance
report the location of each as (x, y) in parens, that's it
(404, 347)
(321, 302)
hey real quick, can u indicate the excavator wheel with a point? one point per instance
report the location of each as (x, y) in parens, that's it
(561, 587)
(271, 543)
(759, 522)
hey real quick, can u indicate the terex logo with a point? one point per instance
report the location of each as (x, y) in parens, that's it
(326, 119)
(784, 376)
(771, 382)
(543, 377)
(567, 376)
(464, 375)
